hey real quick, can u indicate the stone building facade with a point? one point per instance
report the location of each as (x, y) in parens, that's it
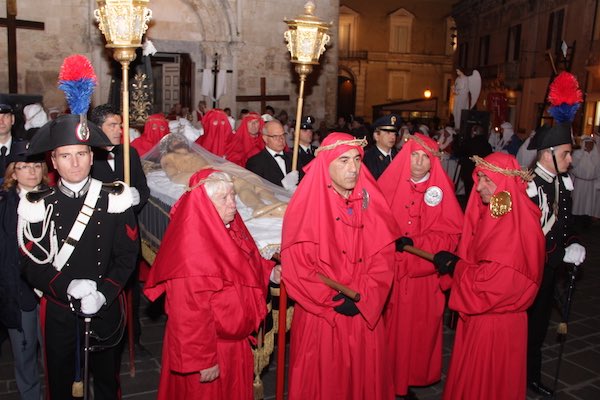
(247, 36)
(515, 43)
(391, 51)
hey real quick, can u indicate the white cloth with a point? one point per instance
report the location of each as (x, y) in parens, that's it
(526, 157)
(135, 196)
(586, 181)
(35, 116)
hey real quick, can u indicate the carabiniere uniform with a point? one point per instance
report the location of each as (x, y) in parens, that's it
(105, 253)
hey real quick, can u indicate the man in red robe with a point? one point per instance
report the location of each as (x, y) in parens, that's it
(217, 132)
(422, 200)
(215, 283)
(247, 140)
(155, 128)
(347, 233)
(494, 281)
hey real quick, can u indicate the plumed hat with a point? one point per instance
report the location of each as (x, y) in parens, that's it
(77, 79)
(565, 97)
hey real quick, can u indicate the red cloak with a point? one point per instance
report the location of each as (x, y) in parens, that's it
(413, 315)
(494, 283)
(217, 132)
(333, 356)
(155, 128)
(215, 284)
(243, 145)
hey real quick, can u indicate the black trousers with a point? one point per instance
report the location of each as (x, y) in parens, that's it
(538, 320)
(60, 326)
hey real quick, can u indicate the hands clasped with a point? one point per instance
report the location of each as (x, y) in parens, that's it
(574, 254)
(347, 307)
(86, 290)
(445, 262)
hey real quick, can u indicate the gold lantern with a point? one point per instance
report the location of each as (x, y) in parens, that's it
(123, 23)
(306, 38)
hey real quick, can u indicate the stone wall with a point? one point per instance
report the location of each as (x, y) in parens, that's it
(248, 34)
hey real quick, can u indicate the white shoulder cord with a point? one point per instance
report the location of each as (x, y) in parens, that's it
(24, 231)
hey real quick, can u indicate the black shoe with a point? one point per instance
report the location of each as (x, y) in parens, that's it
(540, 389)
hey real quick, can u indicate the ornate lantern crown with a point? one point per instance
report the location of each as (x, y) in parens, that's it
(123, 22)
(307, 36)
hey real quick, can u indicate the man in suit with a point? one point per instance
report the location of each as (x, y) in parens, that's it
(378, 157)
(108, 167)
(272, 163)
(306, 151)
(7, 120)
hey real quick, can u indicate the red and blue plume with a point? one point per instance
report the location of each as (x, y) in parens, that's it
(565, 97)
(78, 80)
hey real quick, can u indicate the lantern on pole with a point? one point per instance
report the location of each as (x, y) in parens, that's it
(123, 23)
(306, 38)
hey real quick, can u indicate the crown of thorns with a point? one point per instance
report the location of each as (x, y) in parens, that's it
(526, 174)
(422, 143)
(354, 142)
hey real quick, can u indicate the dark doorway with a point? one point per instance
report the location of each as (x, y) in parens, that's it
(172, 76)
(346, 102)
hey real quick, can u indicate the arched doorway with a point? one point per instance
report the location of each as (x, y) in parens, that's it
(346, 102)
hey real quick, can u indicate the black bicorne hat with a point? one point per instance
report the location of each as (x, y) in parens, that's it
(551, 136)
(67, 130)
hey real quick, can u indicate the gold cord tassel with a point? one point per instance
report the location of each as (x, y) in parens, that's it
(77, 389)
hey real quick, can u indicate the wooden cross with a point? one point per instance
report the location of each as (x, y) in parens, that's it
(12, 24)
(263, 97)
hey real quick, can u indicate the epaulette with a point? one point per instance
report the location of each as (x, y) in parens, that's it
(39, 194)
(115, 188)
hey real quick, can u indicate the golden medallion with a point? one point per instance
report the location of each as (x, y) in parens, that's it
(500, 204)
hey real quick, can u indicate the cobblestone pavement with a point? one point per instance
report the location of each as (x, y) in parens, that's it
(580, 370)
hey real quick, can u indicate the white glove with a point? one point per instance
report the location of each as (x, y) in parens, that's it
(135, 196)
(78, 288)
(290, 181)
(92, 303)
(574, 254)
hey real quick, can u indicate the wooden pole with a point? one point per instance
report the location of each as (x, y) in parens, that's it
(339, 287)
(418, 252)
(298, 120)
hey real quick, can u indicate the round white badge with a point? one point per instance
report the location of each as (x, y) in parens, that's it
(433, 196)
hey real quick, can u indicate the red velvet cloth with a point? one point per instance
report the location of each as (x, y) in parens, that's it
(417, 300)
(217, 132)
(215, 283)
(156, 128)
(350, 241)
(243, 145)
(494, 283)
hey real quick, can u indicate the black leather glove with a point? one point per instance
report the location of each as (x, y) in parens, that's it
(403, 241)
(445, 262)
(348, 307)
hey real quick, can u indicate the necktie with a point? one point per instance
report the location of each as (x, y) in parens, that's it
(388, 159)
(111, 160)
(3, 160)
(280, 155)
(308, 151)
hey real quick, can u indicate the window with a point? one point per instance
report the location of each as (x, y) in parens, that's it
(348, 26)
(555, 30)
(484, 50)
(397, 82)
(513, 43)
(451, 36)
(400, 31)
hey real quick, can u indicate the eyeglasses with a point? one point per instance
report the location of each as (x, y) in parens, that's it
(30, 168)
(277, 137)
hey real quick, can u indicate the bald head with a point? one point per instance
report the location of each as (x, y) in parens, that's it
(274, 136)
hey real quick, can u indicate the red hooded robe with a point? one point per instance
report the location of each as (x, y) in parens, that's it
(244, 145)
(215, 284)
(413, 316)
(155, 128)
(334, 356)
(217, 132)
(494, 283)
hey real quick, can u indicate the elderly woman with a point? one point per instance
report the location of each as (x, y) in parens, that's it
(18, 302)
(215, 283)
